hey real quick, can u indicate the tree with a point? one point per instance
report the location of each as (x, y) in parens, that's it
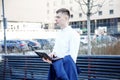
(90, 5)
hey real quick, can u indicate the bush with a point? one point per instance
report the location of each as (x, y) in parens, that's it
(112, 48)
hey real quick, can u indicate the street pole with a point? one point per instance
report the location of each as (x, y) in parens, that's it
(4, 26)
(88, 27)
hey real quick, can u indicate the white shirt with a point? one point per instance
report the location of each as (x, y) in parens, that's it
(67, 43)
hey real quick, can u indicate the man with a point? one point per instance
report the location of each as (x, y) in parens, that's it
(65, 49)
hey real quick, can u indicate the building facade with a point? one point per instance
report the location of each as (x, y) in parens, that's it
(23, 12)
(104, 13)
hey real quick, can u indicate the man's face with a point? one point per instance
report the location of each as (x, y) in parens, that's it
(61, 19)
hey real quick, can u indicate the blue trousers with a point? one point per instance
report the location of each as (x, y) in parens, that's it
(63, 69)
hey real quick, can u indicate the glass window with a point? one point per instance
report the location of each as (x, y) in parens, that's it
(118, 19)
(100, 13)
(71, 9)
(47, 4)
(111, 11)
(80, 14)
(54, 3)
(71, 15)
(48, 11)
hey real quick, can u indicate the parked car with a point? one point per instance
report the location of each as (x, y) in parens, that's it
(44, 43)
(105, 39)
(21, 45)
(84, 39)
(33, 43)
(10, 44)
(52, 41)
(15, 45)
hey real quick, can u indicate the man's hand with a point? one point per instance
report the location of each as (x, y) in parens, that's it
(46, 60)
(52, 55)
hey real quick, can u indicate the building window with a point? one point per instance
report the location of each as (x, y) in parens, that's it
(17, 26)
(71, 15)
(110, 3)
(54, 3)
(100, 13)
(47, 4)
(80, 14)
(118, 19)
(48, 11)
(111, 11)
(71, 9)
(54, 11)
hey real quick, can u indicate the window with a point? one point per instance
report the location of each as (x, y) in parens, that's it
(71, 9)
(71, 15)
(47, 4)
(111, 11)
(100, 13)
(54, 3)
(80, 14)
(48, 11)
(111, 3)
(75, 24)
(17, 26)
(118, 19)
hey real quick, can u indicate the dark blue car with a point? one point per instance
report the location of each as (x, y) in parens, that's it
(44, 43)
(13, 45)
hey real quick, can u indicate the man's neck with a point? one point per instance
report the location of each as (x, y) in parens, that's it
(64, 26)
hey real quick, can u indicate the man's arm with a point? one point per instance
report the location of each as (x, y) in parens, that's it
(74, 46)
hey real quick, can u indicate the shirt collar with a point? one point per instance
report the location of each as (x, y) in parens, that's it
(66, 28)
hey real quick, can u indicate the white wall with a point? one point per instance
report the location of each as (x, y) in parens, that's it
(36, 10)
(25, 10)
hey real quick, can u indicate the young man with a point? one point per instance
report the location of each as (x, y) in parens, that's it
(66, 49)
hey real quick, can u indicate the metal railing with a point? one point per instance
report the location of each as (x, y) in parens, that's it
(22, 67)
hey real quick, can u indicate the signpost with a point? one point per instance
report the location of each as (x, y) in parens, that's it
(4, 26)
